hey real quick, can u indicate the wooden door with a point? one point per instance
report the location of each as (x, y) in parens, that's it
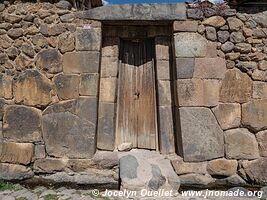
(136, 112)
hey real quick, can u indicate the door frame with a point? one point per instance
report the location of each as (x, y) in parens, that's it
(154, 89)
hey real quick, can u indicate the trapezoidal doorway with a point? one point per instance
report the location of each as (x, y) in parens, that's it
(136, 104)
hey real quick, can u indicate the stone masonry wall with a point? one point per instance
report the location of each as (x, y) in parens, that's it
(221, 61)
(50, 83)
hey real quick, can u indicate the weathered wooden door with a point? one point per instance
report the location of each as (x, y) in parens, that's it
(136, 113)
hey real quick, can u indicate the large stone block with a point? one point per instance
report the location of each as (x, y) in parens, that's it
(108, 90)
(6, 90)
(210, 68)
(164, 93)
(22, 124)
(88, 39)
(14, 172)
(240, 144)
(69, 128)
(17, 153)
(49, 165)
(89, 84)
(67, 86)
(262, 140)
(202, 136)
(106, 126)
(185, 68)
(32, 88)
(222, 167)
(166, 129)
(162, 48)
(109, 66)
(81, 62)
(254, 114)
(182, 167)
(185, 26)
(190, 45)
(197, 92)
(228, 115)
(236, 87)
(163, 70)
(256, 170)
(110, 47)
(49, 60)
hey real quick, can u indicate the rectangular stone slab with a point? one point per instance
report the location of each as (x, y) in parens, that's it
(137, 12)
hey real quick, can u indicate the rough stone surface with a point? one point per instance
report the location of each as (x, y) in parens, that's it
(190, 45)
(197, 180)
(49, 165)
(228, 115)
(197, 92)
(199, 124)
(254, 114)
(215, 21)
(69, 128)
(88, 39)
(22, 124)
(255, 170)
(222, 167)
(234, 23)
(89, 84)
(185, 68)
(237, 37)
(211, 33)
(210, 68)
(138, 12)
(32, 88)
(17, 153)
(67, 86)
(185, 26)
(227, 47)
(241, 144)
(259, 90)
(108, 90)
(49, 60)
(146, 169)
(81, 62)
(14, 172)
(236, 87)
(262, 140)
(182, 167)
(223, 36)
(66, 42)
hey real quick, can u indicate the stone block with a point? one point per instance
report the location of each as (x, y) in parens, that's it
(49, 165)
(185, 68)
(190, 45)
(259, 90)
(182, 167)
(228, 115)
(109, 66)
(198, 92)
(222, 167)
(254, 114)
(240, 144)
(22, 124)
(199, 180)
(210, 68)
(164, 93)
(106, 126)
(2, 104)
(39, 151)
(199, 124)
(67, 86)
(162, 48)
(110, 47)
(88, 39)
(255, 170)
(166, 130)
(108, 90)
(214, 21)
(163, 70)
(32, 88)
(262, 140)
(81, 62)
(236, 87)
(185, 26)
(14, 172)
(69, 128)
(89, 84)
(211, 49)
(49, 60)
(16, 153)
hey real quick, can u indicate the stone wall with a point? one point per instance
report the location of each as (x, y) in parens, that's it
(58, 93)
(221, 85)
